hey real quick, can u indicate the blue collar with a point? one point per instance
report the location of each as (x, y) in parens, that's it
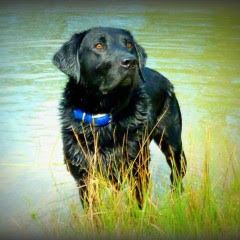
(98, 119)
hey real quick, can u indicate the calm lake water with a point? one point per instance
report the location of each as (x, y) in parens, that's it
(197, 48)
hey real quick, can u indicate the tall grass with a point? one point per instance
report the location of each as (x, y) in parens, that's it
(209, 207)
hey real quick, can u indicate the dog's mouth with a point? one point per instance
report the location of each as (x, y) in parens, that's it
(126, 81)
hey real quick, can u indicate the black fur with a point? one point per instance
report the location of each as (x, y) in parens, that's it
(114, 80)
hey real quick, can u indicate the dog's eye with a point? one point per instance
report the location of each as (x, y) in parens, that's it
(129, 45)
(99, 46)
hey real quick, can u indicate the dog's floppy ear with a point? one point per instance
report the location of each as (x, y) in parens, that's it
(142, 58)
(67, 58)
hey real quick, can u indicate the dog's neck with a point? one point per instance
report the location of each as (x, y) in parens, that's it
(92, 101)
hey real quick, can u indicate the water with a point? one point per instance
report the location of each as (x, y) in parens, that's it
(197, 48)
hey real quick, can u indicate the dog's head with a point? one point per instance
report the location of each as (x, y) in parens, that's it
(102, 58)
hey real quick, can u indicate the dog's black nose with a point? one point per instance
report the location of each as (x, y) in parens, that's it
(129, 62)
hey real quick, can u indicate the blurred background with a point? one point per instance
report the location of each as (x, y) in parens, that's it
(196, 46)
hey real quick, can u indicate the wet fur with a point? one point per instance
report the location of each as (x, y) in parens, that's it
(147, 105)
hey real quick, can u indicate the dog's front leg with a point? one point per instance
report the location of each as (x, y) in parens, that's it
(88, 192)
(83, 192)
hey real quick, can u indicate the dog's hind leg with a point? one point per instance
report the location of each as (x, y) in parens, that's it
(177, 161)
(168, 138)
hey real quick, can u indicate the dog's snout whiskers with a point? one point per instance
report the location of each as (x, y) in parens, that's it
(106, 64)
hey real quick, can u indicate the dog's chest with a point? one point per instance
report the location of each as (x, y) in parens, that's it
(115, 141)
(119, 141)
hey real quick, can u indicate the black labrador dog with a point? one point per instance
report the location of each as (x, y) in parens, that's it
(113, 106)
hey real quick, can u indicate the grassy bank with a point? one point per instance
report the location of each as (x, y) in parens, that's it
(209, 206)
